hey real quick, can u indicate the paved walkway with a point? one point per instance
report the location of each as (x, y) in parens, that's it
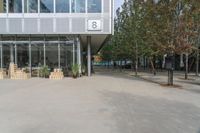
(104, 103)
(162, 77)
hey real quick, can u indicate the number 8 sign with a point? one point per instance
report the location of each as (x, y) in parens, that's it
(94, 25)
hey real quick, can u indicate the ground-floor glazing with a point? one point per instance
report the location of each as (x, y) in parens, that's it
(32, 53)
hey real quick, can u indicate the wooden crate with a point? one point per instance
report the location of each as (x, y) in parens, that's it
(57, 74)
(12, 69)
(2, 74)
(16, 73)
(19, 74)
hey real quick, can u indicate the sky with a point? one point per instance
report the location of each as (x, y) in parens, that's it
(118, 3)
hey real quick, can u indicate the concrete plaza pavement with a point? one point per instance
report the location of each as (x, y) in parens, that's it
(103, 103)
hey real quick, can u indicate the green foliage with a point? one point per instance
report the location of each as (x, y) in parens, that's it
(75, 70)
(106, 52)
(44, 71)
(154, 29)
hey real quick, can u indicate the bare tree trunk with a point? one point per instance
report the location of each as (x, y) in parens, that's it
(136, 59)
(152, 66)
(190, 65)
(170, 78)
(186, 66)
(181, 61)
(197, 63)
(197, 60)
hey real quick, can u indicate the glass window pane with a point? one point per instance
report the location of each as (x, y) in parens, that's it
(46, 6)
(94, 6)
(31, 6)
(78, 6)
(62, 6)
(15, 6)
(2, 6)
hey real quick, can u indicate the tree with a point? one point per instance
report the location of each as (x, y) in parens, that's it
(155, 28)
(187, 35)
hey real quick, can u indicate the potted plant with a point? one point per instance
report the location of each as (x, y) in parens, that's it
(75, 70)
(44, 72)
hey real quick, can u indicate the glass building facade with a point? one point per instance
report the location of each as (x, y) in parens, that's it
(78, 6)
(15, 6)
(48, 6)
(94, 6)
(57, 33)
(62, 6)
(30, 6)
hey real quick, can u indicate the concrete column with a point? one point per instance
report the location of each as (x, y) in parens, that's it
(11, 53)
(79, 54)
(44, 54)
(89, 55)
(15, 53)
(30, 59)
(1, 50)
(59, 55)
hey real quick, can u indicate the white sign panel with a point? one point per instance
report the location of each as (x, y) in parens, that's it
(94, 25)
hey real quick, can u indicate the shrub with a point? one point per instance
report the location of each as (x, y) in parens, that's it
(44, 71)
(75, 70)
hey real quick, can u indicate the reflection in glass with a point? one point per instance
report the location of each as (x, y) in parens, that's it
(62, 6)
(15, 6)
(94, 6)
(78, 6)
(46, 6)
(2, 6)
(31, 6)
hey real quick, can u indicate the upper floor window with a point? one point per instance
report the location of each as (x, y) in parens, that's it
(62, 6)
(94, 6)
(46, 6)
(31, 6)
(78, 6)
(15, 6)
(2, 6)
